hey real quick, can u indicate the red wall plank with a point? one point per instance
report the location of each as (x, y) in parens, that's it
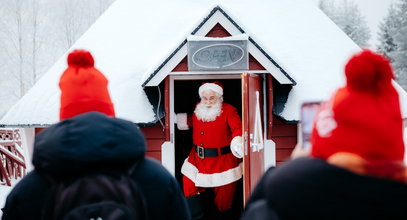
(154, 144)
(254, 64)
(278, 121)
(280, 130)
(182, 66)
(285, 137)
(167, 107)
(283, 154)
(269, 107)
(218, 31)
(155, 132)
(155, 137)
(38, 130)
(285, 142)
(154, 154)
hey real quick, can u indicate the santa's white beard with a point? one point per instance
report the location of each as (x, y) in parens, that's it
(208, 112)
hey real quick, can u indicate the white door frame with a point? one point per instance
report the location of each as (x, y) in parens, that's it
(168, 148)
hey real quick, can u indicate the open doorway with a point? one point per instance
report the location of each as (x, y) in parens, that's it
(185, 99)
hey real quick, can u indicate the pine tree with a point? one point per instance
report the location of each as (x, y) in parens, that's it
(387, 31)
(400, 55)
(30, 42)
(348, 17)
(328, 7)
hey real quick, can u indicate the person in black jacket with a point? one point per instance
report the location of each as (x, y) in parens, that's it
(311, 188)
(89, 139)
(355, 168)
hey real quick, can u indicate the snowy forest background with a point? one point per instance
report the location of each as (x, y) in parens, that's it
(35, 33)
(392, 34)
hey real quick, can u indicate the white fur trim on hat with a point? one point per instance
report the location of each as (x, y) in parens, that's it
(212, 86)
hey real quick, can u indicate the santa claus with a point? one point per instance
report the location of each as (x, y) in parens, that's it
(214, 161)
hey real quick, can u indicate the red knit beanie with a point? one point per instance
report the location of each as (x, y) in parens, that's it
(83, 87)
(364, 117)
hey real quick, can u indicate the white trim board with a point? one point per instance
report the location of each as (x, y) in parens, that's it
(218, 17)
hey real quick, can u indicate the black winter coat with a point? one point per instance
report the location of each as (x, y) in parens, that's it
(308, 188)
(83, 144)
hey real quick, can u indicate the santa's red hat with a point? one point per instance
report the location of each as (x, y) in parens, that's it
(363, 117)
(83, 87)
(214, 86)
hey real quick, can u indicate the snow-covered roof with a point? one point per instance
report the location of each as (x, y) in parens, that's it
(133, 38)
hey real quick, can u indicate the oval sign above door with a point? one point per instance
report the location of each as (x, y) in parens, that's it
(218, 55)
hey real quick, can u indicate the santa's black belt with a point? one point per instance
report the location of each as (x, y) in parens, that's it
(211, 152)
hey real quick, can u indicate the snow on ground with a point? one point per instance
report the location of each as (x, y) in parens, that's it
(4, 191)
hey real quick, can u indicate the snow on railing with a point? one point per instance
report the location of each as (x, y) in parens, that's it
(12, 163)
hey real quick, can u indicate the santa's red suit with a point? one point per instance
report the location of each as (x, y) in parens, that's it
(218, 172)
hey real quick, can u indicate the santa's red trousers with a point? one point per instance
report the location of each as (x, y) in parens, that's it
(223, 194)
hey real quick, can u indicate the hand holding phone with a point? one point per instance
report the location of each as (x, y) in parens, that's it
(308, 112)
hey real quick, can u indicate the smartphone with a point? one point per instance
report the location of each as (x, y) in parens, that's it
(308, 112)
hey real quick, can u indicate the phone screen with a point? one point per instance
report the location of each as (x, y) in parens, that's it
(308, 112)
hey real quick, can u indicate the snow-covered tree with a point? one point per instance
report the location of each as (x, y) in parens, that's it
(387, 30)
(400, 55)
(35, 43)
(33, 34)
(348, 17)
(14, 44)
(329, 8)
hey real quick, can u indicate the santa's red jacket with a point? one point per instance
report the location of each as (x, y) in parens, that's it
(219, 170)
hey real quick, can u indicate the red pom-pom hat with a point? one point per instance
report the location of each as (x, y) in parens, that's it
(364, 117)
(83, 87)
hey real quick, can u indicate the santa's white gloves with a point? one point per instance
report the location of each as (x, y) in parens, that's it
(236, 146)
(182, 121)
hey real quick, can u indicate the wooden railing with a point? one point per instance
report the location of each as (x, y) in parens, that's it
(12, 162)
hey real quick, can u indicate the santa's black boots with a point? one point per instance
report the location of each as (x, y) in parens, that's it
(196, 207)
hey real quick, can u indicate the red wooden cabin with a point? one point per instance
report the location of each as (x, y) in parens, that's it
(268, 139)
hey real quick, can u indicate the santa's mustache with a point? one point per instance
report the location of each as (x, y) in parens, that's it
(208, 112)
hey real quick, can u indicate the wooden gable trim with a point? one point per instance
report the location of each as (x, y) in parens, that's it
(215, 17)
(218, 31)
(254, 49)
